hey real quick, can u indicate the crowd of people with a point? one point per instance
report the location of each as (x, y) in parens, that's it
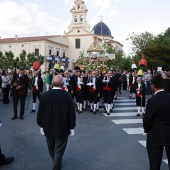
(88, 90)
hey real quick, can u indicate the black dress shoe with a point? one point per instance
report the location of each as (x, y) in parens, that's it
(79, 111)
(138, 114)
(91, 110)
(9, 160)
(108, 114)
(129, 97)
(105, 111)
(94, 112)
(97, 110)
(32, 111)
(21, 117)
(14, 117)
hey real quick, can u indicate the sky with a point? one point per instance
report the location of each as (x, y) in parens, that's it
(52, 17)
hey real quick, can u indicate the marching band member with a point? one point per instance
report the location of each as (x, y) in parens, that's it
(94, 92)
(79, 91)
(132, 79)
(140, 90)
(108, 87)
(37, 88)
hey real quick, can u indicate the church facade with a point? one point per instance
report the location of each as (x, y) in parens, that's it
(78, 38)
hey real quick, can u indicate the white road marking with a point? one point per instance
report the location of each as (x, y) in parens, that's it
(165, 160)
(127, 121)
(119, 104)
(132, 131)
(122, 114)
(124, 100)
(124, 108)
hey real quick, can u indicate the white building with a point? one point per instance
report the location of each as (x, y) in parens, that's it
(78, 38)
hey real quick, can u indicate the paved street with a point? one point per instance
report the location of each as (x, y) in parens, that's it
(101, 142)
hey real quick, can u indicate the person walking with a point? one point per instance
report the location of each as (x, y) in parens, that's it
(20, 84)
(47, 80)
(140, 90)
(56, 115)
(156, 123)
(37, 88)
(5, 87)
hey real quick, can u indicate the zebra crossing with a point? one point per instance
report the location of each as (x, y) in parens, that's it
(125, 113)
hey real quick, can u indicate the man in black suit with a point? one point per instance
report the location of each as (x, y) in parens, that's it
(156, 123)
(56, 115)
(20, 84)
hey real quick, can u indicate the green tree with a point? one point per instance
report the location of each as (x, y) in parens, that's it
(109, 48)
(157, 51)
(27, 60)
(139, 41)
(2, 60)
(8, 59)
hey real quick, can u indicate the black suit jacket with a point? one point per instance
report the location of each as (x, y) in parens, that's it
(156, 121)
(56, 114)
(40, 84)
(142, 89)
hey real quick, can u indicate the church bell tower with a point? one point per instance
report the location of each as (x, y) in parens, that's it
(79, 23)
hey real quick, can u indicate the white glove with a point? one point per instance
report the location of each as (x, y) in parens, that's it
(42, 131)
(72, 132)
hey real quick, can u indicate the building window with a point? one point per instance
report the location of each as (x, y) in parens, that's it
(77, 43)
(37, 52)
(50, 51)
(58, 53)
(64, 54)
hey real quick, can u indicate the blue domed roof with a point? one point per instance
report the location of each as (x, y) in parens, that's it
(101, 29)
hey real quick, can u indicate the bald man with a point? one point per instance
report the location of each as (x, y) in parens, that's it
(140, 89)
(56, 115)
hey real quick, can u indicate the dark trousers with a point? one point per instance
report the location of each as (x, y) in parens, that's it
(125, 85)
(2, 158)
(131, 89)
(139, 100)
(56, 149)
(79, 96)
(35, 94)
(5, 95)
(108, 96)
(148, 88)
(93, 96)
(155, 156)
(22, 104)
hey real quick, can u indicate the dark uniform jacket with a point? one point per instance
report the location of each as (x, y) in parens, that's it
(39, 83)
(156, 121)
(22, 81)
(142, 88)
(56, 114)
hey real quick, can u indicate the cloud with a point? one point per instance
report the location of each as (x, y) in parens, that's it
(26, 18)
